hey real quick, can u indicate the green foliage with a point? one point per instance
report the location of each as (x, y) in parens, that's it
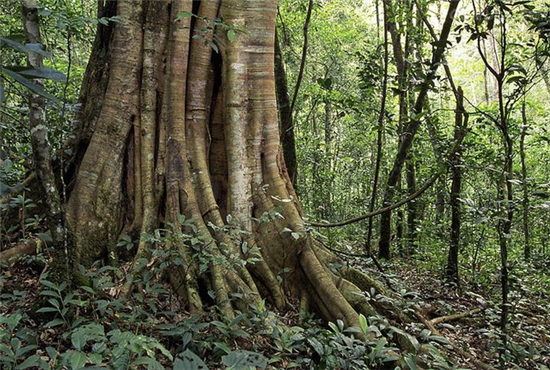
(207, 32)
(335, 125)
(89, 327)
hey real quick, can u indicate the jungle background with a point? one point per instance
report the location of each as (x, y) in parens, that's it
(350, 97)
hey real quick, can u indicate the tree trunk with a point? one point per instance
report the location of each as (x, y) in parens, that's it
(401, 66)
(285, 115)
(380, 127)
(525, 187)
(412, 208)
(441, 182)
(410, 131)
(543, 66)
(451, 271)
(183, 130)
(53, 206)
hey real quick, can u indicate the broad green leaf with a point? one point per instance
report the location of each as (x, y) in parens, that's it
(78, 360)
(55, 322)
(243, 360)
(78, 339)
(50, 293)
(363, 323)
(215, 48)
(11, 321)
(46, 73)
(184, 14)
(46, 310)
(411, 363)
(189, 361)
(231, 35)
(224, 347)
(49, 284)
(317, 346)
(151, 363)
(52, 353)
(7, 350)
(29, 85)
(32, 361)
(21, 351)
(27, 48)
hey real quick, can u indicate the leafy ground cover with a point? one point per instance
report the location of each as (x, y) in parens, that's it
(43, 325)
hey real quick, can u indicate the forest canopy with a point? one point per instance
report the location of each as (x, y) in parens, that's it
(244, 184)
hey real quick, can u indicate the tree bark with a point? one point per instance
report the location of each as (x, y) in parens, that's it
(525, 186)
(185, 131)
(461, 120)
(53, 206)
(441, 184)
(379, 129)
(412, 208)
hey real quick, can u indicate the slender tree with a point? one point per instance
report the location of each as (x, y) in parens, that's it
(379, 129)
(461, 121)
(525, 185)
(411, 129)
(53, 206)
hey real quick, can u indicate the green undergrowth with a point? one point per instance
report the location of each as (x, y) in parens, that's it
(88, 327)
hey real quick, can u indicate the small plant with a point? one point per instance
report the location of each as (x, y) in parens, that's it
(61, 304)
(208, 34)
(16, 343)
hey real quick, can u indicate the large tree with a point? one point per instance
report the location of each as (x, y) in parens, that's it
(179, 117)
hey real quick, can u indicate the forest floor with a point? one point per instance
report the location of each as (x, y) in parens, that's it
(476, 333)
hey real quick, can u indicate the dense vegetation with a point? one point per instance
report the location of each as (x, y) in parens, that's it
(438, 118)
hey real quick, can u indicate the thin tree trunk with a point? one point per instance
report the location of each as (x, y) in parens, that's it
(525, 186)
(506, 197)
(542, 64)
(410, 131)
(287, 121)
(461, 120)
(412, 208)
(285, 114)
(485, 77)
(379, 129)
(41, 148)
(401, 66)
(440, 188)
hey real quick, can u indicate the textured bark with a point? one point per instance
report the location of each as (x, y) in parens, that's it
(505, 194)
(524, 184)
(412, 208)
(10, 256)
(461, 120)
(42, 160)
(380, 128)
(440, 188)
(183, 130)
(542, 64)
(91, 98)
(401, 66)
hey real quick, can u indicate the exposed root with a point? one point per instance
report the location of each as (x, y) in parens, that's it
(10, 256)
(456, 316)
(206, 144)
